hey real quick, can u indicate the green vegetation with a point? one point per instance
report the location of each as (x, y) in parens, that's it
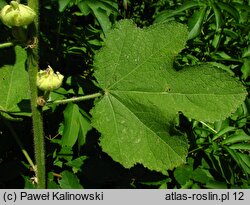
(154, 95)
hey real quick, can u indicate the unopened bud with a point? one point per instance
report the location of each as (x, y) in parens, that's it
(17, 14)
(47, 80)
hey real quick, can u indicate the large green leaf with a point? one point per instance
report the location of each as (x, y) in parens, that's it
(143, 95)
(14, 85)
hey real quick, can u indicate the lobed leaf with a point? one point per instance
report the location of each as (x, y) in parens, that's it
(143, 95)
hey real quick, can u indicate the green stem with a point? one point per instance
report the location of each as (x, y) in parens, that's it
(76, 99)
(5, 45)
(198, 148)
(14, 134)
(32, 63)
(209, 127)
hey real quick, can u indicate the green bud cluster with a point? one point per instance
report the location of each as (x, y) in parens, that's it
(17, 14)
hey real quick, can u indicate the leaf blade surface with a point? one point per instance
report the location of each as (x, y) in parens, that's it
(143, 95)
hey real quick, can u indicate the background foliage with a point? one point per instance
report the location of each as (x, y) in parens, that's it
(218, 153)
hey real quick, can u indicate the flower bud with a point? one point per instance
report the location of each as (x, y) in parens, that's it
(17, 14)
(47, 80)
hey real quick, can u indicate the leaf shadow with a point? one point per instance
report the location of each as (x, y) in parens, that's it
(101, 171)
(7, 56)
(24, 106)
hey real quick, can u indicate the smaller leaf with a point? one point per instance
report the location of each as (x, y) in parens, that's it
(95, 42)
(103, 19)
(76, 163)
(217, 39)
(244, 161)
(216, 185)
(157, 183)
(85, 126)
(51, 184)
(196, 22)
(165, 15)
(218, 16)
(71, 125)
(76, 126)
(76, 50)
(69, 181)
(243, 146)
(222, 132)
(27, 181)
(100, 9)
(58, 163)
(84, 8)
(246, 52)
(223, 67)
(58, 94)
(65, 153)
(245, 69)
(221, 55)
(63, 4)
(183, 174)
(230, 10)
(222, 166)
(239, 136)
(230, 33)
(200, 175)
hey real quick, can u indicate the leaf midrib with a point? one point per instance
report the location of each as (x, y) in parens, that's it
(172, 93)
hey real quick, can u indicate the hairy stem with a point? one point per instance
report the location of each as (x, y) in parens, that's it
(76, 99)
(32, 63)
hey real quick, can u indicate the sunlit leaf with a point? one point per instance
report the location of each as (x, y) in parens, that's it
(143, 95)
